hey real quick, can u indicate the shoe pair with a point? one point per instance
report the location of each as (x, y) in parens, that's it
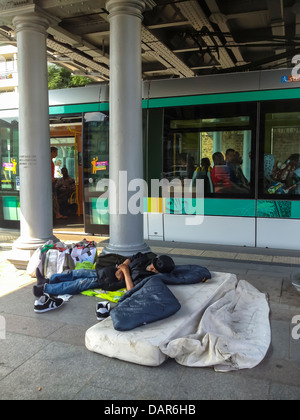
(47, 303)
(102, 310)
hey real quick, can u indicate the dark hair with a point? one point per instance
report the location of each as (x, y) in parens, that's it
(229, 150)
(218, 158)
(163, 264)
(205, 162)
(53, 149)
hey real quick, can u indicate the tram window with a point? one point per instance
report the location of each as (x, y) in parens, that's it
(95, 167)
(10, 180)
(214, 148)
(281, 167)
(221, 159)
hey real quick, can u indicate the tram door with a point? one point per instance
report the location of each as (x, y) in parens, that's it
(95, 146)
(66, 136)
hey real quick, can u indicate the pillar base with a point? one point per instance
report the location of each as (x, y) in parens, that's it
(127, 251)
(20, 258)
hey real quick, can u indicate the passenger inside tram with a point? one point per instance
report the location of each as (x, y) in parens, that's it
(56, 211)
(187, 164)
(220, 175)
(203, 172)
(65, 187)
(285, 177)
(237, 165)
(223, 174)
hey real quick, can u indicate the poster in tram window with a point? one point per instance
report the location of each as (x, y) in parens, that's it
(9, 173)
(98, 165)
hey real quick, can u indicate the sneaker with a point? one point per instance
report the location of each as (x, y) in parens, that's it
(47, 303)
(102, 310)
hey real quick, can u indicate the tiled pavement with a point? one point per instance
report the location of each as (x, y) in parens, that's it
(43, 356)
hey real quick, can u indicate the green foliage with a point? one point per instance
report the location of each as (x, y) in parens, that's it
(60, 78)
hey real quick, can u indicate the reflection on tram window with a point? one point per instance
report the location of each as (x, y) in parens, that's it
(210, 143)
(96, 151)
(221, 158)
(282, 154)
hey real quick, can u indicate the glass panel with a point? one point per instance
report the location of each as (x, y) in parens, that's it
(9, 161)
(10, 180)
(221, 157)
(281, 173)
(65, 155)
(95, 166)
(211, 122)
(11, 207)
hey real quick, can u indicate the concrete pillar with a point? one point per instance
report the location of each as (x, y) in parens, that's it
(246, 152)
(217, 142)
(126, 137)
(36, 220)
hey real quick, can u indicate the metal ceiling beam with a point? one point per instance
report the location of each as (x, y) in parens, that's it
(275, 8)
(50, 4)
(194, 13)
(168, 25)
(164, 55)
(259, 63)
(76, 56)
(87, 28)
(221, 20)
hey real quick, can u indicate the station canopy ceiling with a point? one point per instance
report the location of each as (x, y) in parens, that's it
(179, 38)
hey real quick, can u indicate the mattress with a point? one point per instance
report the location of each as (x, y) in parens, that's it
(143, 344)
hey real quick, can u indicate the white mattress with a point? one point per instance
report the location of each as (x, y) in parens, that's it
(142, 345)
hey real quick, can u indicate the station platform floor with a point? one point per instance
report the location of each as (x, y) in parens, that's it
(43, 356)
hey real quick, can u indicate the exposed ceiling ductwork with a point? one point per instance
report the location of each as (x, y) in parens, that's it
(179, 38)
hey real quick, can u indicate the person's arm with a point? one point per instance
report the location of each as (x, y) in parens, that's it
(127, 277)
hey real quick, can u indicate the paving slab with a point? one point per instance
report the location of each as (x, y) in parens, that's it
(205, 384)
(58, 371)
(43, 356)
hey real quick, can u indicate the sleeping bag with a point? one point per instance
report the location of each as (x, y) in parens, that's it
(186, 274)
(149, 301)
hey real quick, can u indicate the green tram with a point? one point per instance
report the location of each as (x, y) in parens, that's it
(254, 117)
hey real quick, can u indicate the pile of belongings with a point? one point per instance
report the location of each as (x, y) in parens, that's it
(58, 257)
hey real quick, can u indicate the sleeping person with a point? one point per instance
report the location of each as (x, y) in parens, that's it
(114, 277)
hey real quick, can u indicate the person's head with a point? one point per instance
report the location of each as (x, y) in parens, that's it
(237, 158)
(205, 162)
(58, 162)
(162, 264)
(218, 158)
(54, 151)
(230, 155)
(64, 172)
